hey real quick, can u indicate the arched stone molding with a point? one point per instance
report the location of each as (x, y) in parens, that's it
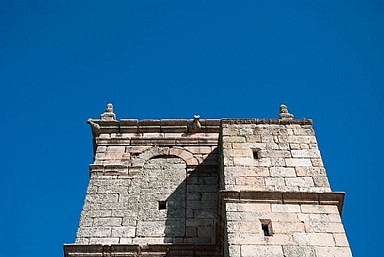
(155, 151)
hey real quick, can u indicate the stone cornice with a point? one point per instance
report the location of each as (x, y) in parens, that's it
(153, 126)
(328, 198)
(178, 125)
(121, 250)
(267, 121)
(181, 128)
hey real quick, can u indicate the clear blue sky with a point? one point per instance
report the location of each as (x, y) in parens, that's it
(61, 62)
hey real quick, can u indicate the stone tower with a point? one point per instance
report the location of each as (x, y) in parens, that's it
(203, 187)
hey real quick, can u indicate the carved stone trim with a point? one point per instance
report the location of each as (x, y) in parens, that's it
(180, 152)
(331, 198)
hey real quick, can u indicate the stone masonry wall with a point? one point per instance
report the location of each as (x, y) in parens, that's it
(271, 157)
(276, 197)
(151, 188)
(229, 187)
(298, 230)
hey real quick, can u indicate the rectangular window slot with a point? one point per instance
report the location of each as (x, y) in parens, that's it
(266, 226)
(256, 154)
(265, 230)
(162, 205)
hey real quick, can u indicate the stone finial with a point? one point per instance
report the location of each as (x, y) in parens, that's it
(108, 114)
(284, 114)
(196, 125)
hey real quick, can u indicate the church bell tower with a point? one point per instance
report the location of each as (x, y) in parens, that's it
(208, 187)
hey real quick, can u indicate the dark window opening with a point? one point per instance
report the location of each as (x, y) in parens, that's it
(266, 226)
(256, 154)
(265, 230)
(162, 205)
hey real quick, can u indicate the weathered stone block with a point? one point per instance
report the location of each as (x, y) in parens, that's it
(244, 238)
(317, 162)
(148, 228)
(282, 172)
(321, 181)
(244, 161)
(243, 227)
(205, 232)
(233, 139)
(101, 149)
(261, 251)
(319, 209)
(277, 162)
(304, 131)
(299, 251)
(340, 239)
(207, 213)
(249, 145)
(295, 162)
(267, 139)
(274, 181)
(274, 154)
(85, 221)
(325, 227)
(310, 171)
(288, 227)
(301, 139)
(314, 239)
(199, 222)
(247, 171)
(254, 181)
(301, 182)
(333, 252)
(252, 216)
(294, 146)
(101, 198)
(253, 207)
(123, 231)
(253, 138)
(307, 153)
(103, 232)
(98, 213)
(107, 222)
(234, 250)
(230, 131)
(285, 208)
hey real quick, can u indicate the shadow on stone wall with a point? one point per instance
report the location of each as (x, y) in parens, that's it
(191, 209)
